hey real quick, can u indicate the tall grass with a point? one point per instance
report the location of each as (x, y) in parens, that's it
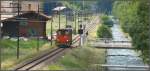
(82, 58)
(31, 43)
(9, 51)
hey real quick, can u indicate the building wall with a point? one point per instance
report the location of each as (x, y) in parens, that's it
(10, 12)
(25, 6)
(32, 29)
(31, 6)
(6, 4)
(9, 29)
(36, 28)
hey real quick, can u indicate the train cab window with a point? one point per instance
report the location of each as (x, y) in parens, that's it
(61, 32)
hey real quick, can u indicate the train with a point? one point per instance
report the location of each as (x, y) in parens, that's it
(64, 37)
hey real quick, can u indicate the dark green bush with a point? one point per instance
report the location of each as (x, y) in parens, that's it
(106, 20)
(104, 32)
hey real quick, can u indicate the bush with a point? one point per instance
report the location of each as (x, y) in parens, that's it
(107, 21)
(104, 32)
(83, 58)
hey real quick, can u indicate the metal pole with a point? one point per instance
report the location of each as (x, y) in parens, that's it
(18, 32)
(78, 19)
(59, 17)
(0, 38)
(0, 20)
(149, 33)
(80, 40)
(52, 32)
(75, 22)
(66, 18)
(38, 43)
(83, 16)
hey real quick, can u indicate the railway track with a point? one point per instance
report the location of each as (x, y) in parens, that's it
(40, 59)
(48, 55)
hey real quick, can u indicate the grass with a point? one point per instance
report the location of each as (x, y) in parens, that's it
(9, 56)
(83, 58)
(30, 43)
(80, 58)
(55, 67)
(27, 49)
(93, 33)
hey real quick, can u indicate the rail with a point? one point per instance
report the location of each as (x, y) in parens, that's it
(33, 63)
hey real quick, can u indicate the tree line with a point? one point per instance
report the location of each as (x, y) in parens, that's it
(134, 19)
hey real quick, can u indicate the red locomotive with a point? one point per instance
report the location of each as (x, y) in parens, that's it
(64, 38)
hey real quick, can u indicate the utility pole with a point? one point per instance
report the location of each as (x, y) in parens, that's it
(52, 31)
(38, 43)
(59, 17)
(149, 33)
(78, 19)
(0, 38)
(0, 20)
(18, 31)
(83, 23)
(75, 21)
(66, 18)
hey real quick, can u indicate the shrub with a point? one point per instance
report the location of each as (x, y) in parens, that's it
(104, 32)
(83, 58)
(107, 21)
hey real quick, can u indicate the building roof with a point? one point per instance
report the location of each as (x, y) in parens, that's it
(30, 15)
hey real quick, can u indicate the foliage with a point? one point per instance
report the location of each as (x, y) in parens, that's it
(78, 5)
(133, 16)
(30, 43)
(27, 49)
(55, 67)
(104, 32)
(106, 20)
(83, 58)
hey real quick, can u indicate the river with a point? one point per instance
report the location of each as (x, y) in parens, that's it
(123, 57)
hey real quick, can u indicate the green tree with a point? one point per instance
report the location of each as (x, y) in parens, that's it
(104, 32)
(133, 16)
(106, 20)
(79, 5)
